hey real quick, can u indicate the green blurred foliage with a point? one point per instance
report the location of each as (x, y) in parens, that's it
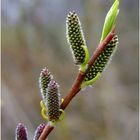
(33, 37)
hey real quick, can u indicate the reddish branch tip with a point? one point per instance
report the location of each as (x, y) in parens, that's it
(76, 86)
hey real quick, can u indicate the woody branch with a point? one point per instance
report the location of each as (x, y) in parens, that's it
(77, 84)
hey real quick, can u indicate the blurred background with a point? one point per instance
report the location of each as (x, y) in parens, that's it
(33, 37)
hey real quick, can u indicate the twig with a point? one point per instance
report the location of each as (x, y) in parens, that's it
(76, 86)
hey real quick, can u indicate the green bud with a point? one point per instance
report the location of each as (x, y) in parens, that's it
(110, 19)
(101, 62)
(76, 39)
(53, 101)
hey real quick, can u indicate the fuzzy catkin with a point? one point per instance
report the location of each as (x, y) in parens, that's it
(75, 38)
(53, 101)
(44, 80)
(38, 131)
(21, 132)
(103, 59)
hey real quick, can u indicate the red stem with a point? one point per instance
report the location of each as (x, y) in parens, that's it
(76, 86)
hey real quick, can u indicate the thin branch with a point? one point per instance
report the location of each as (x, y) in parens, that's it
(76, 86)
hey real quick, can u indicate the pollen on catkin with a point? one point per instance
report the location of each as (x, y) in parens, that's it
(53, 101)
(103, 59)
(44, 79)
(76, 39)
(21, 132)
(38, 131)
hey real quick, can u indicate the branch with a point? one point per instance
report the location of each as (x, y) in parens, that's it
(76, 86)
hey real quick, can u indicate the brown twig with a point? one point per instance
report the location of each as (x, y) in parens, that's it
(76, 86)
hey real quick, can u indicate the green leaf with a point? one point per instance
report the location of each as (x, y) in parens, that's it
(110, 19)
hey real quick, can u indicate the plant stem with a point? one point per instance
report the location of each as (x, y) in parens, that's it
(77, 84)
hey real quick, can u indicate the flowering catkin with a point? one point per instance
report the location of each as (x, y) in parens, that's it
(44, 79)
(53, 101)
(21, 132)
(38, 131)
(76, 39)
(103, 59)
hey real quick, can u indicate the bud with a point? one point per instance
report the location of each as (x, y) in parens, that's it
(21, 132)
(101, 62)
(110, 19)
(38, 131)
(76, 39)
(53, 101)
(44, 79)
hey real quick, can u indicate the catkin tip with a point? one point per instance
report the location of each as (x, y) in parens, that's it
(21, 132)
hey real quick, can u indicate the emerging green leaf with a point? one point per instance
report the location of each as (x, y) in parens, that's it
(110, 19)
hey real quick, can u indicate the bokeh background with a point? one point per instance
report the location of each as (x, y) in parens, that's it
(33, 37)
